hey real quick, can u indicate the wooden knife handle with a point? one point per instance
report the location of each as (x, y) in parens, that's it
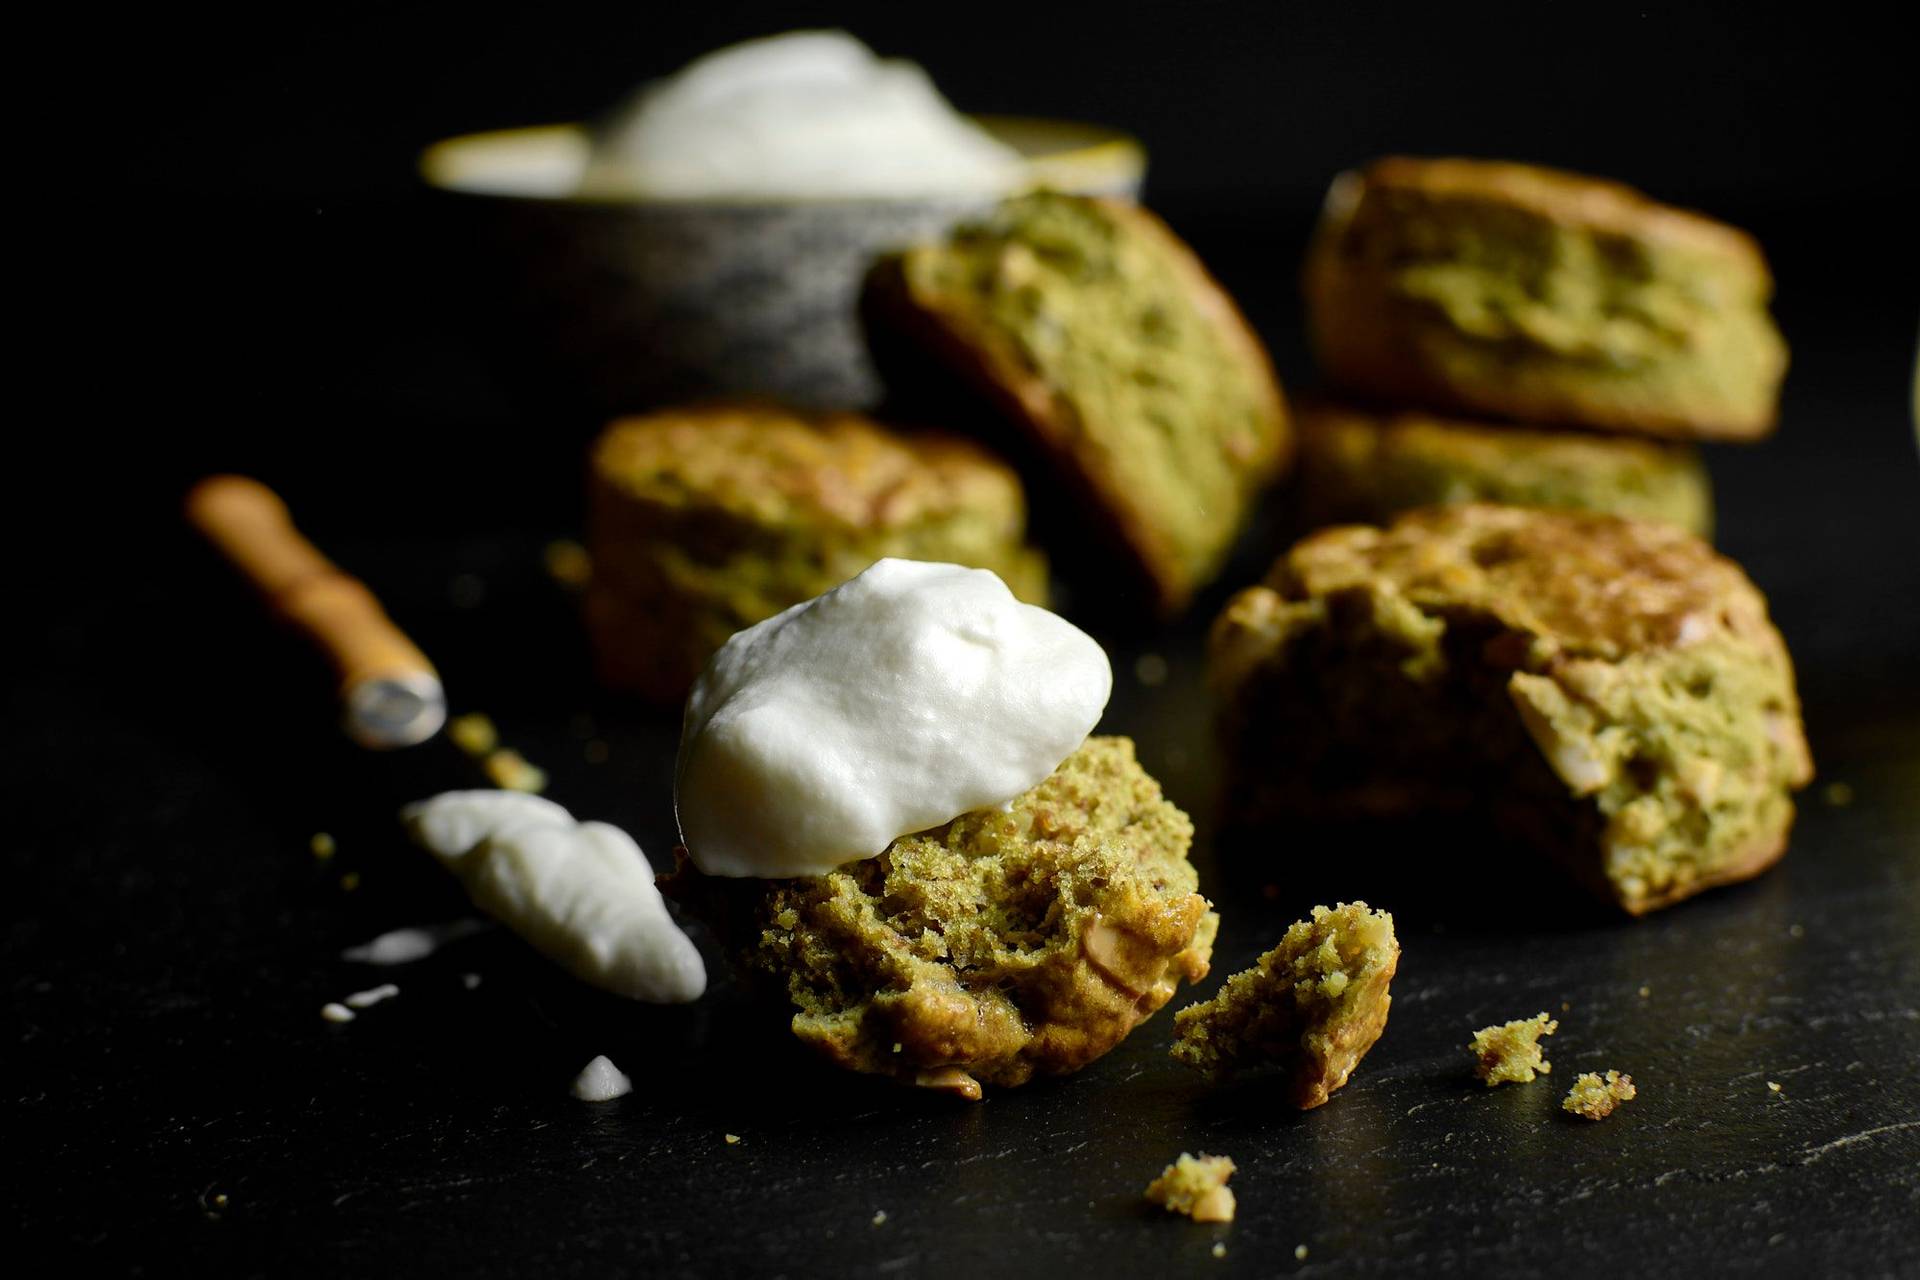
(251, 527)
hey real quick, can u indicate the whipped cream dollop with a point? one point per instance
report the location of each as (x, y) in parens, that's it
(895, 702)
(810, 113)
(580, 892)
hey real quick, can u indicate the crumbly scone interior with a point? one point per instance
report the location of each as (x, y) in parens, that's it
(1312, 1006)
(1003, 944)
(1187, 427)
(1370, 700)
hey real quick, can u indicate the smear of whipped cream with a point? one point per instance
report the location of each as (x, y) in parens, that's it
(580, 892)
(897, 701)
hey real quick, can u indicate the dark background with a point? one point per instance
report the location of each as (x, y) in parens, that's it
(296, 307)
(254, 281)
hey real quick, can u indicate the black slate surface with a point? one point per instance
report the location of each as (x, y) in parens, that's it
(174, 1102)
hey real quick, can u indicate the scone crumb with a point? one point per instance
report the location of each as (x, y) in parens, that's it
(474, 734)
(1773, 1086)
(322, 845)
(333, 1011)
(509, 771)
(1510, 1052)
(1645, 992)
(1219, 1249)
(1195, 1186)
(567, 563)
(1596, 1098)
(1300, 1252)
(1796, 931)
(733, 1139)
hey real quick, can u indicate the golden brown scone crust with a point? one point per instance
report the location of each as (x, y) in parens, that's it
(708, 519)
(1610, 691)
(1490, 288)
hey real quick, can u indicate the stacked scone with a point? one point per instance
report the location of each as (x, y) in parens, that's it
(1537, 638)
(1478, 311)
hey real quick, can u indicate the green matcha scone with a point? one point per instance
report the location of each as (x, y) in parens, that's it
(1312, 1006)
(702, 521)
(1609, 691)
(1363, 467)
(1480, 287)
(992, 949)
(1099, 336)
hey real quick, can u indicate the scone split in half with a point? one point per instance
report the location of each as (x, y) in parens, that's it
(1610, 691)
(1097, 336)
(998, 947)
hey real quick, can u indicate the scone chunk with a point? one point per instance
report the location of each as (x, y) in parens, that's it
(1097, 336)
(1596, 1098)
(702, 521)
(999, 946)
(1196, 1186)
(1608, 691)
(1481, 287)
(1362, 466)
(1312, 1006)
(1510, 1053)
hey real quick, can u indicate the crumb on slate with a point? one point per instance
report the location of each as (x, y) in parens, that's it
(1510, 1052)
(1195, 1186)
(1596, 1098)
(474, 734)
(322, 845)
(510, 771)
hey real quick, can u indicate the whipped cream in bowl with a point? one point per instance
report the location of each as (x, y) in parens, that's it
(709, 236)
(807, 114)
(898, 701)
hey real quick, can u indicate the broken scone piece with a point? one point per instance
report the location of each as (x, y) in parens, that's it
(1510, 1053)
(1595, 1098)
(1312, 1006)
(999, 946)
(1195, 1186)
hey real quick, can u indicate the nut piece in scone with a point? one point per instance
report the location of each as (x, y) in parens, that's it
(998, 947)
(1595, 1098)
(702, 521)
(1312, 1006)
(1094, 334)
(1359, 466)
(1195, 1186)
(1510, 1053)
(1480, 287)
(1608, 692)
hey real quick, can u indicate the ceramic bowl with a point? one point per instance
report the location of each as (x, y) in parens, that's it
(640, 302)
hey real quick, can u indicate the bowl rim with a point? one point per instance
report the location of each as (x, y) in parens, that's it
(1107, 159)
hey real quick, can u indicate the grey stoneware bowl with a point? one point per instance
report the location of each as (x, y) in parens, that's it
(642, 302)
